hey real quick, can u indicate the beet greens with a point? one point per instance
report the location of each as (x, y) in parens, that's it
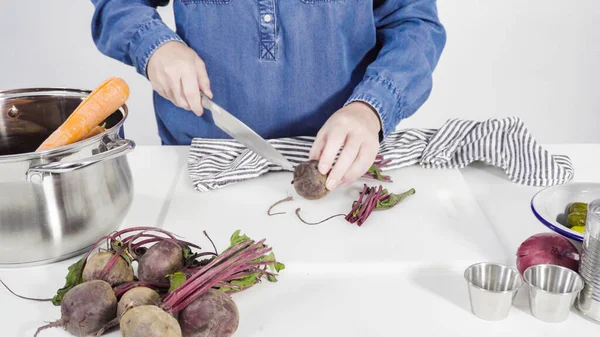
(242, 265)
(374, 199)
(374, 171)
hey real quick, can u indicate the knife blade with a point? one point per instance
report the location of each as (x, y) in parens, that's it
(244, 134)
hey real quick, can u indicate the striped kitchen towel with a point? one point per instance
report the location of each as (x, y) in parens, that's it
(502, 142)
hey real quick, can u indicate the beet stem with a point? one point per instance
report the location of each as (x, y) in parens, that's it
(55, 324)
(226, 272)
(290, 198)
(125, 287)
(143, 228)
(316, 223)
(218, 259)
(114, 322)
(210, 279)
(366, 203)
(24, 297)
(211, 242)
(370, 206)
(192, 288)
(112, 262)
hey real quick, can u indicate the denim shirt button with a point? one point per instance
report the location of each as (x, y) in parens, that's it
(267, 18)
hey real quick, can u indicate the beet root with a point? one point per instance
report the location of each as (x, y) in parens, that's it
(132, 298)
(149, 321)
(162, 259)
(86, 308)
(309, 183)
(213, 314)
(119, 273)
(136, 297)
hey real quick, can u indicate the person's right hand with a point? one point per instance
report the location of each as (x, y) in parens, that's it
(178, 74)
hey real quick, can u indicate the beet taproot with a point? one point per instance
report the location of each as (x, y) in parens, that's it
(149, 321)
(119, 272)
(213, 314)
(308, 182)
(160, 260)
(86, 308)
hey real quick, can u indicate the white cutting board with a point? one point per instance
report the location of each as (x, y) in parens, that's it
(440, 225)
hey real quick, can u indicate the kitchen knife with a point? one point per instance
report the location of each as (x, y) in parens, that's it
(245, 135)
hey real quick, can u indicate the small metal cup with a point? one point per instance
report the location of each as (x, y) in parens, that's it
(492, 289)
(552, 291)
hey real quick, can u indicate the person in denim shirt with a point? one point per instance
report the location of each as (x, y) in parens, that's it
(345, 71)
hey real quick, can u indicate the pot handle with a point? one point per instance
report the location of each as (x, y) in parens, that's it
(119, 148)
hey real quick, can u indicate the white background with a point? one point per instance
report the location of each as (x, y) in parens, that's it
(535, 59)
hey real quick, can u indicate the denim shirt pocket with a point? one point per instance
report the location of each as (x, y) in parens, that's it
(214, 2)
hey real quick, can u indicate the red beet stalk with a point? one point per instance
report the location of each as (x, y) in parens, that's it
(219, 270)
(125, 287)
(370, 206)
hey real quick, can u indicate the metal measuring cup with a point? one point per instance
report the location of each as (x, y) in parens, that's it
(552, 291)
(492, 289)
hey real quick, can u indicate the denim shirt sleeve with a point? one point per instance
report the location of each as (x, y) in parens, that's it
(130, 31)
(399, 80)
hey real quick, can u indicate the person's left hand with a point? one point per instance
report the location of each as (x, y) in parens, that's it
(355, 127)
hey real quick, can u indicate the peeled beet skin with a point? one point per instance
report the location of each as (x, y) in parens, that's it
(86, 308)
(213, 314)
(119, 273)
(136, 297)
(149, 321)
(162, 259)
(309, 182)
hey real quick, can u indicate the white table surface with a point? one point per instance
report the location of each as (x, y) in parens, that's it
(401, 273)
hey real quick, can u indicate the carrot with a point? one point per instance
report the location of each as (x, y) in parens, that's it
(101, 103)
(98, 129)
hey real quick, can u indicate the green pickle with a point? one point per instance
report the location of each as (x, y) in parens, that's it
(576, 219)
(578, 207)
(580, 229)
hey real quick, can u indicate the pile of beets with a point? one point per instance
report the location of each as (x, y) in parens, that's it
(176, 289)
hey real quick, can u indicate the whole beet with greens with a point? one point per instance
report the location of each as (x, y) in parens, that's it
(120, 272)
(213, 314)
(160, 260)
(86, 308)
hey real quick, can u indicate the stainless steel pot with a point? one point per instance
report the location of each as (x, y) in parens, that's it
(55, 204)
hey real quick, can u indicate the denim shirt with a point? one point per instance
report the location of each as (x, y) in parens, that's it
(284, 67)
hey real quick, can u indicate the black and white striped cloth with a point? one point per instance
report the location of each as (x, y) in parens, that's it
(502, 142)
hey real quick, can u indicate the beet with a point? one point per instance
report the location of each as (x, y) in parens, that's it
(213, 314)
(86, 308)
(309, 182)
(160, 260)
(136, 297)
(149, 321)
(119, 272)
